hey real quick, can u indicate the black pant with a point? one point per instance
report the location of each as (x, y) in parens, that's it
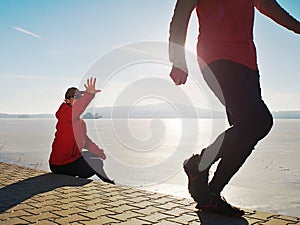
(86, 166)
(238, 88)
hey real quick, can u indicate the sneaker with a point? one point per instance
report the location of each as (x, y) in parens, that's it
(219, 205)
(197, 184)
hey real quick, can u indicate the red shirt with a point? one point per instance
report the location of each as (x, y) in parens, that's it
(71, 133)
(226, 31)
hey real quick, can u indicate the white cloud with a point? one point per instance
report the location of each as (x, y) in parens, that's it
(27, 32)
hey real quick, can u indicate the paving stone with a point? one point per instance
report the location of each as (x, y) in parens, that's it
(14, 213)
(155, 217)
(149, 210)
(143, 204)
(190, 207)
(138, 199)
(78, 204)
(45, 222)
(42, 204)
(249, 212)
(47, 197)
(111, 193)
(75, 223)
(89, 208)
(134, 221)
(21, 206)
(131, 191)
(262, 215)
(116, 203)
(70, 219)
(116, 198)
(255, 220)
(127, 215)
(168, 223)
(62, 206)
(42, 216)
(156, 196)
(36, 211)
(97, 214)
(276, 222)
(169, 206)
(70, 211)
(184, 219)
(124, 208)
(178, 212)
(13, 221)
(103, 220)
(185, 201)
(91, 191)
(287, 218)
(161, 200)
(198, 223)
(96, 202)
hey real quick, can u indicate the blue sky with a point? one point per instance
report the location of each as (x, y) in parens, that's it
(46, 46)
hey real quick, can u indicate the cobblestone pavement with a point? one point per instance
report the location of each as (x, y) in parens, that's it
(29, 196)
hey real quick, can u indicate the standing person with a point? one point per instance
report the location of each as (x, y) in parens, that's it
(71, 137)
(227, 55)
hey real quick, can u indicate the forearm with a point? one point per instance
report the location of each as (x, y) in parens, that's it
(82, 104)
(178, 30)
(273, 10)
(92, 147)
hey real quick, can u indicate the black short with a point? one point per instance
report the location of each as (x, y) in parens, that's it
(86, 166)
(78, 168)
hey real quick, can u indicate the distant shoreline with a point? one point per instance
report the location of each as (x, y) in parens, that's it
(26, 116)
(141, 115)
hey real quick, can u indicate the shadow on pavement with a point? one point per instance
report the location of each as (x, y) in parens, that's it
(16, 193)
(213, 219)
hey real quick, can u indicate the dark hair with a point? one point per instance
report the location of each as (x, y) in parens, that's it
(73, 92)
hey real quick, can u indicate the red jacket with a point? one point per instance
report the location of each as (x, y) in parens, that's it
(225, 32)
(71, 133)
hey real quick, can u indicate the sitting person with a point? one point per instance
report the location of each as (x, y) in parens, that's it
(71, 137)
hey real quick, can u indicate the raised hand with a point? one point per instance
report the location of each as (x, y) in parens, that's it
(91, 86)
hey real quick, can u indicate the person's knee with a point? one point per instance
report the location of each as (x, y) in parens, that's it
(260, 125)
(265, 124)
